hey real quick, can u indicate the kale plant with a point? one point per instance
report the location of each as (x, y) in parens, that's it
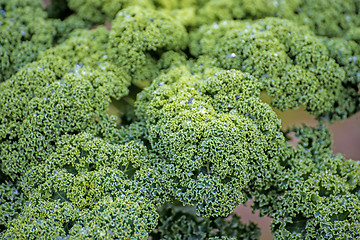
(145, 119)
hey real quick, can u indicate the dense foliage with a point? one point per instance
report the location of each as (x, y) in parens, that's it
(156, 129)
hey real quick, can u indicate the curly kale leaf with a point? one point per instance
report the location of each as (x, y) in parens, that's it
(86, 51)
(96, 182)
(84, 169)
(318, 192)
(41, 103)
(292, 64)
(44, 219)
(213, 136)
(347, 54)
(25, 31)
(139, 37)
